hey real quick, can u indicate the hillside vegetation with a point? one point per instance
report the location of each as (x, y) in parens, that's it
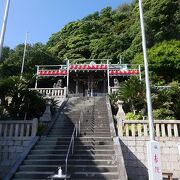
(116, 33)
(108, 34)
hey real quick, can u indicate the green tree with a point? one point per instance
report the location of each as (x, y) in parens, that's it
(17, 100)
(164, 60)
(132, 92)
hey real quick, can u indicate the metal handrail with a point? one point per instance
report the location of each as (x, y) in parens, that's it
(76, 130)
(70, 144)
(79, 123)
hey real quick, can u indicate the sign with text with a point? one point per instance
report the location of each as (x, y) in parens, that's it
(154, 160)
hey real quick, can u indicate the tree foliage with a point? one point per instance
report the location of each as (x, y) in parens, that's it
(35, 55)
(107, 34)
(17, 100)
(112, 33)
(164, 60)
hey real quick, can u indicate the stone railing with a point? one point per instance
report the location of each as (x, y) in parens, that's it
(162, 128)
(51, 92)
(18, 128)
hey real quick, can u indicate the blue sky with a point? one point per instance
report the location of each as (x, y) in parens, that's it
(42, 18)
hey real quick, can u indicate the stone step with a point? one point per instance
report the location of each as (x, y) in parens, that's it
(77, 139)
(70, 162)
(71, 168)
(62, 156)
(29, 179)
(47, 142)
(87, 152)
(95, 175)
(76, 147)
(84, 134)
(33, 174)
(90, 132)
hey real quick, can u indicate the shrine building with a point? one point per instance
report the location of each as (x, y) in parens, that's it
(96, 78)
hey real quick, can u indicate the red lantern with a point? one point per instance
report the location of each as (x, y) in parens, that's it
(84, 67)
(75, 66)
(119, 72)
(136, 72)
(64, 72)
(132, 71)
(104, 66)
(96, 66)
(101, 66)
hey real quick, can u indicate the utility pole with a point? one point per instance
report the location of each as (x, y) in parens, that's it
(4, 27)
(153, 148)
(24, 55)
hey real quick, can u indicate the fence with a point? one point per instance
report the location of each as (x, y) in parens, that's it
(162, 128)
(18, 128)
(51, 92)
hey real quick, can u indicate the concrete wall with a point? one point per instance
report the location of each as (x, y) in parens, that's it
(10, 150)
(135, 156)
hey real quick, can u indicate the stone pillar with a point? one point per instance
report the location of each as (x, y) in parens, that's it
(46, 117)
(77, 86)
(34, 127)
(120, 117)
(104, 86)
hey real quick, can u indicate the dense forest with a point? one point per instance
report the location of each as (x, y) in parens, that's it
(110, 34)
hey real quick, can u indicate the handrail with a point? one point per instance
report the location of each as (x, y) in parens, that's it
(76, 130)
(70, 144)
(79, 123)
(81, 117)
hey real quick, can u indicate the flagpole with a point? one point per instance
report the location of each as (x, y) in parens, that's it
(4, 27)
(153, 147)
(148, 92)
(24, 55)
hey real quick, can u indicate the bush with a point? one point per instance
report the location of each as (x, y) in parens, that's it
(132, 116)
(163, 113)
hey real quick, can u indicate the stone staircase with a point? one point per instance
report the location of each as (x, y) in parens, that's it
(94, 154)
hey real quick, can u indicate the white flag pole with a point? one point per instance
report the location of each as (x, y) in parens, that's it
(4, 27)
(24, 55)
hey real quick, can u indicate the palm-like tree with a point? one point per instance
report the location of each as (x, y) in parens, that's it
(17, 100)
(132, 92)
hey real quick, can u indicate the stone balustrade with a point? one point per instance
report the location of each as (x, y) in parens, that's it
(162, 128)
(51, 92)
(18, 128)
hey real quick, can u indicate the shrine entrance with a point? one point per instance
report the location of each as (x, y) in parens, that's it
(88, 83)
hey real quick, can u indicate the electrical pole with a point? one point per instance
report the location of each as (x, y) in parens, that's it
(4, 27)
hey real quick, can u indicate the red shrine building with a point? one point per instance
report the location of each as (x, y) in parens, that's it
(88, 79)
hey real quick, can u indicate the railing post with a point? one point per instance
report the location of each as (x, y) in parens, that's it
(120, 127)
(73, 145)
(176, 134)
(66, 167)
(76, 129)
(79, 127)
(34, 127)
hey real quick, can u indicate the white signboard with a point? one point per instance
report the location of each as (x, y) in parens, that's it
(154, 160)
